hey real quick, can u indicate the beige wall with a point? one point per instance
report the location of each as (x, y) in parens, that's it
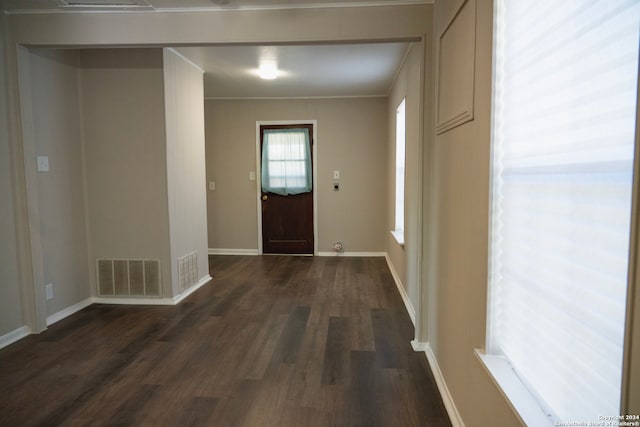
(459, 229)
(125, 154)
(115, 99)
(231, 26)
(408, 85)
(61, 200)
(10, 301)
(351, 137)
(186, 180)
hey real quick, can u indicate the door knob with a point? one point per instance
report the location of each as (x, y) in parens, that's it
(264, 197)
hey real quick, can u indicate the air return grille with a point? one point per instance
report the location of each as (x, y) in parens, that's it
(188, 271)
(128, 277)
(104, 4)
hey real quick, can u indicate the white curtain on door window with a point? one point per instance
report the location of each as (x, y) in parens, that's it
(286, 161)
(564, 123)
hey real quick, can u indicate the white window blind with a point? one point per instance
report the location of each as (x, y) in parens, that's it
(400, 162)
(563, 137)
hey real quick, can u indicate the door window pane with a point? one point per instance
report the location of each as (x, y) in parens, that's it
(286, 161)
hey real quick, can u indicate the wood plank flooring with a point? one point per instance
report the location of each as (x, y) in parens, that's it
(270, 341)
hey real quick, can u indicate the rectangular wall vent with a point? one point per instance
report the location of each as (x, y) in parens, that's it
(128, 277)
(188, 271)
(104, 4)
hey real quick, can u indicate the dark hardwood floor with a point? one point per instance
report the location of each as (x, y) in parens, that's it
(270, 341)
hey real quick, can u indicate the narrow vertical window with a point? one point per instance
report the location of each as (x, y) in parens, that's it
(563, 141)
(400, 162)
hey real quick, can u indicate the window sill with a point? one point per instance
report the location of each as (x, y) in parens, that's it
(520, 399)
(399, 236)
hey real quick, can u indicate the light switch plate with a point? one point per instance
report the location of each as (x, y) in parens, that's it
(212, 185)
(252, 176)
(43, 164)
(336, 174)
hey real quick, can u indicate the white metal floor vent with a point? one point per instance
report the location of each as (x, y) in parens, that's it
(188, 271)
(128, 277)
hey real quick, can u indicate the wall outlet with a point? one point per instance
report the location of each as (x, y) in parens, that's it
(212, 185)
(49, 291)
(252, 176)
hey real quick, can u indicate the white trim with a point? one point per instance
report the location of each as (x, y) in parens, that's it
(353, 254)
(13, 336)
(449, 404)
(56, 317)
(403, 293)
(399, 236)
(220, 251)
(419, 346)
(522, 402)
(192, 289)
(258, 181)
(185, 59)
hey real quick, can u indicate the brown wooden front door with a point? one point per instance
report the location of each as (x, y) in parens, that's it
(287, 219)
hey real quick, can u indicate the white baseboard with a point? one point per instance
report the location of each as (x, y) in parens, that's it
(450, 406)
(403, 292)
(192, 289)
(353, 254)
(56, 317)
(15, 335)
(219, 251)
(419, 346)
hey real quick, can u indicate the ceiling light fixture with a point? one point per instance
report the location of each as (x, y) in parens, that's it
(268, 70)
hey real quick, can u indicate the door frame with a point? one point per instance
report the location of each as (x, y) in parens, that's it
(314, 149)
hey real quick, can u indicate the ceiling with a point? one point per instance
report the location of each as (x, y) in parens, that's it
(335, 70)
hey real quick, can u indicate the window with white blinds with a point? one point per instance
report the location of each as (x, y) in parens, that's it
(564, 108)
(400, 162)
